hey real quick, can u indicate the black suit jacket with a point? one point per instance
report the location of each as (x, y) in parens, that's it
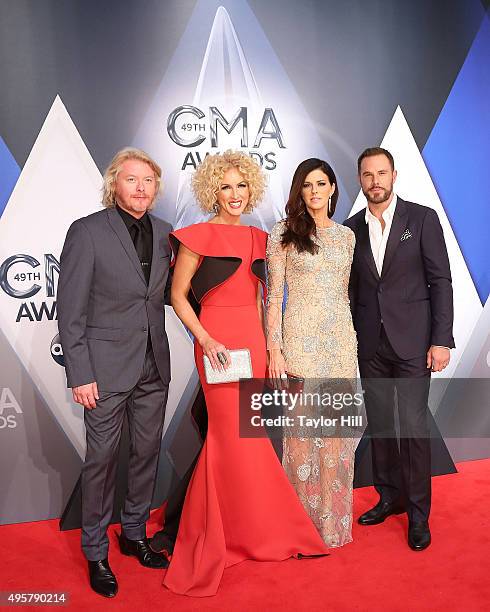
(413, 297)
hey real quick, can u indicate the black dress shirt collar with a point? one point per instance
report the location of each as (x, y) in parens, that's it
(129, 220)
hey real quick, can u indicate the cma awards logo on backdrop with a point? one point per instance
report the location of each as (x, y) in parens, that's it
(189, 127)
(23, 279)
(9, 409)
(231, 98)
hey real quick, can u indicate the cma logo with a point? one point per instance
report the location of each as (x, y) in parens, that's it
(18, 279)
(9, 409)
(186, 128)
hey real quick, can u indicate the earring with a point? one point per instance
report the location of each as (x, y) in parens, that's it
(216, 208)
(329, 208)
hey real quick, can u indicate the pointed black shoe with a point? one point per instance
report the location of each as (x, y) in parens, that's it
(419, 535)
(102, 580)
(380, 512)
(142, 551)
(161, 542)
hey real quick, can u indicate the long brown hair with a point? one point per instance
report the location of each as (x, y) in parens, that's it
(300, 226)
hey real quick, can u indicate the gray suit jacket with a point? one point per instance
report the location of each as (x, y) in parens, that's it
(105, 308)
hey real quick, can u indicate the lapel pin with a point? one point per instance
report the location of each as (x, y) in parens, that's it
(406, 235)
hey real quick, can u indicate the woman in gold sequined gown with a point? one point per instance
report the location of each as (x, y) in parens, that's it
(309, 257)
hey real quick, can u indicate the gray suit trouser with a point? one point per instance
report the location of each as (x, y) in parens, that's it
(145, 407)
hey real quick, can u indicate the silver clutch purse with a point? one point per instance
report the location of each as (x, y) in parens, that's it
(241, 367)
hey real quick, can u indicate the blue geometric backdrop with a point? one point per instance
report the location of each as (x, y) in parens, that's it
(457, 155)
(9, 173)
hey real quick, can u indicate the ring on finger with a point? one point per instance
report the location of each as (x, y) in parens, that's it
(221, 357)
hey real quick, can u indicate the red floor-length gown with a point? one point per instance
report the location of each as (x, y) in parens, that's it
(240, 504)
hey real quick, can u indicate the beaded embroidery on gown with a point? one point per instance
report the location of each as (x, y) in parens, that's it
(318, 341)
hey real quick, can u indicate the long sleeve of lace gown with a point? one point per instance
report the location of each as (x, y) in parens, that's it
(276, 278)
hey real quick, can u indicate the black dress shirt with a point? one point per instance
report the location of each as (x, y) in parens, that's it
(141, 233)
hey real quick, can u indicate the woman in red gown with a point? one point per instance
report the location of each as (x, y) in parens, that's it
(239, 504)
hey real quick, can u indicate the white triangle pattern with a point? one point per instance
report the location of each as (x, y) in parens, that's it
(225, 70)
(231, 74)
(59, 183)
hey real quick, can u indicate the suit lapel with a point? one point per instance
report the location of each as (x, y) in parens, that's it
(398, 226)
(155, 258)
(365, 246)
(122, 233)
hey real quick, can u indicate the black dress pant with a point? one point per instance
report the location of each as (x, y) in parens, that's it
(402, 473)
(145, 407)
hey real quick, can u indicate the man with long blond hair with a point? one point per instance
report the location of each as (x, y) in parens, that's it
(111, 318)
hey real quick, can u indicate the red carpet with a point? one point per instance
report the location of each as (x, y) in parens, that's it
(376, 571)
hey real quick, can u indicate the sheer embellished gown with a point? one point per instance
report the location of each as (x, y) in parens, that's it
(318, 341)
(240, 504)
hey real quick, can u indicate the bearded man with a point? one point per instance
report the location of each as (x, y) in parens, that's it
(402, 307)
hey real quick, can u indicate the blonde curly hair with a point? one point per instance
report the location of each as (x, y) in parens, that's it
(110, 175)
(209, 175)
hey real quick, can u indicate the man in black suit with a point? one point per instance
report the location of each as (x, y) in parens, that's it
(111, 318)
(402, 306)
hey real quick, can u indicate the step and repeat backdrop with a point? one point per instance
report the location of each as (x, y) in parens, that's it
(280, 80)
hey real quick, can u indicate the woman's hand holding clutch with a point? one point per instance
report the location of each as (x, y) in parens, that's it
(216, 352)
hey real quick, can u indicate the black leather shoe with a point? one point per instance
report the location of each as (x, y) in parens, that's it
(102, 580)
(380, 512)
(419, 535)
(142, 551)
(161, 542)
